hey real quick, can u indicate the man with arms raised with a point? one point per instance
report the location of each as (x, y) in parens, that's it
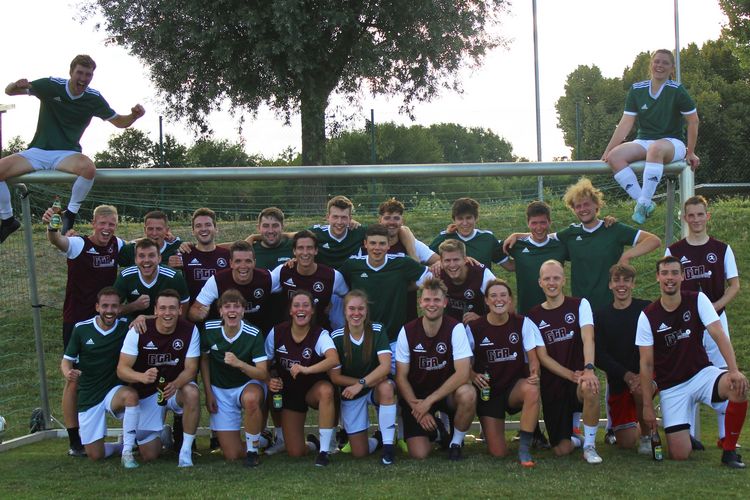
(670, 339)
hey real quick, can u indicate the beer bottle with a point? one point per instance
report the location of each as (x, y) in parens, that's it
(485, 392)
(160, 391)
(55, 222)
(278, 401)
(656, 449)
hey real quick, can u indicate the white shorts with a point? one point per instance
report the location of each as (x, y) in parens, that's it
(93, 422)
(354, 413)
(152, 415)
(677, 402)
(41, 159)
(229, 415)
(679, 147)
(714, 355)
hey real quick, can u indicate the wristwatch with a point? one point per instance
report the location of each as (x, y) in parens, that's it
(362, 381)
(589, 366)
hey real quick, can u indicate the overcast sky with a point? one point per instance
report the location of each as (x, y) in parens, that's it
(40, 37)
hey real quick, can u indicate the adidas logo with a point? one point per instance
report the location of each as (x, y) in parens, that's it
(290, 282)
(419, 348)
(90, 342)
(282, 349)
(578, 238)
(214, 348)
(628, 186)
(543, 324)
(645, 106)
(525, 250)
(684, 260)
(363, 275)
(194, 262)
(326, 245)
(150, 345)
(486, 341)
(135, 292)
(92, 251)
(653, 178)
(662, 328)
(57, 98)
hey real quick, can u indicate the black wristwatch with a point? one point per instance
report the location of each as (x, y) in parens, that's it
(589, 366)
(362, 381)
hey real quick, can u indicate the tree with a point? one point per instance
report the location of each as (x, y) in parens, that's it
(129, 149)
(15, 145)
(208, 152)
(471, 145)
(293, 54)
(175, 154)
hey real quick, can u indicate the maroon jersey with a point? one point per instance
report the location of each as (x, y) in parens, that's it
(561, 334)
(430, 358)
(499, 351)
(198, 266)
(468, 296)
(319, 284)
(165, 352)
(288, 352)
(257, 294)
(93, 269)
(678, 341)
(703, 266)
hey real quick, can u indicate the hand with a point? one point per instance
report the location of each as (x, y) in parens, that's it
(649, 416)
(350, 392)
(470, 316)
(420, 408)
(72, 375)
(575, 376)
(170, 390)
(47, 215)
(185, 247)
(693, 161)
(472, 261)
(451, 228)
(428, 423)
(297, 369)
(169, 237)
(479, 380)
(175, 260)
(605, 156)
(353, 224)
(149, 376)
(232, 360)
(533, 378)
(211, 405)
(139, 323)
(436, 268)
(633, 381)
(737, 382)
(141, 303)
(589, 378)
(509, 242)
(291, 263)
(137, 111)
(276, 384)
(610, 220)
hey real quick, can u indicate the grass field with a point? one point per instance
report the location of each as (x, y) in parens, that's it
(43, 470)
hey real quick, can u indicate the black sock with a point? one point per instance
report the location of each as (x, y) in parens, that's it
(75, 438)
(8, 221)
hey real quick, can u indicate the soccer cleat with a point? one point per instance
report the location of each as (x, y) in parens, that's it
(313, 440)
(322, 459)
(128, 461)
(732, 460)
(720, 444)
(379, 438)
(388, 455)
(214, 447)
(696, 445)
(342, 439)
(77, 452)
(524, 457)
(185, 461)
(454, 453)
(639, 214)
(347, 448)
(610, 437)
(251, 459)
(650, 208)
(68, 219)
(539, 441)
(8, 227)
(644, 447)
(591, 456)
(277, 447)
(401, 443)
(167, 439)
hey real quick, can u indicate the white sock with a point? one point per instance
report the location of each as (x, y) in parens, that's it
(721, 411)
(81, 188)
(325, 439)
(262, 441)
(187, 444)
(576, 441)
(589, 435)
(651, 176)
(278, 434)
(252, 441)
(627, 179)
(6, 210)
(458, 437)
(576, 420)
(387, 422)
(129, 426)
(372, 444)
(112, 449)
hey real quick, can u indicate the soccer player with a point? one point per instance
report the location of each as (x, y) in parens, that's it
(303, 353)
(254, 284)
(617, 355)
(66, 109)
(92, 265)
(670, 341)
(155, 228)
(661, 106)
(337, 241)
(466, 284)
(433, 363)
(710, 268)
(391, 215)
(274, 247)
(480, 243)
(139, 285)
(320, 280)
(168, 349)
(90, 364)
(568, 381)
(504, 346)
(234, 371)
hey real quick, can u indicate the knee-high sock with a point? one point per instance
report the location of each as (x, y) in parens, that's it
(721, 412)
(81, 188)
(627, 179)
(325, 439)
(129, 426)
(6, 210)
(735, 417)
(387, 422)
(651, 176)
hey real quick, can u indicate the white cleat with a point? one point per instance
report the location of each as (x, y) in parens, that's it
(644, 447)
(278, 447)
(591, 456)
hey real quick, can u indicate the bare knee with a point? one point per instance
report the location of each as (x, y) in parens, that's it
(386, 393)
(86, 168)
(466, 395)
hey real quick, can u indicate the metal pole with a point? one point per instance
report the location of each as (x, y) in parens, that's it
(540, 179)
(35, 305)
(161, 143)
(669, 216)
(578, 131)
(687, 178)
(373, 154)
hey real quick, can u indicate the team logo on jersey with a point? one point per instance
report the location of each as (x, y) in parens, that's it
(363, 275)
(194, 262)
(578, 238)
(258, 293)
(135, 292)
(419, 348)
(90, 342)
(663, 328)
(513, 338)
(469, 294)
(221, 262)
(92, 251)
(57, 98)
(645, 106)
(570, 318)
(543, 324)
(486, 341)
(686, 316)
(307, 353)
(178, 344)
(525, 250)
(282, 349)
(214, 347)
(150, 345)
(441, 348)
(684, 260)
(318, 287)
(712, 258)
(326, 245)
(290, 282)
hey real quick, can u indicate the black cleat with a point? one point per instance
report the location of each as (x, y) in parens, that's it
(312, 438)
(697, 445)
(341, 438)
(732, 460)
(388, 455)
(539, 440)
(454, 453)
(322, 459)
(251, 460)
(81, 452)
(610, 437)
(68, 219)
(8, 227)
(379, 438)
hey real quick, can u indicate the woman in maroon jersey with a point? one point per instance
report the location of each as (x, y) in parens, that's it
(502, 342)
(303, 354)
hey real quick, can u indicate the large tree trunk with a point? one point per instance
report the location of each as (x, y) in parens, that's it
(313, 110)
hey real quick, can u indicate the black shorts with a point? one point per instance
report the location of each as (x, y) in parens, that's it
(558, 409)
(294, 397)
(499, 403)
(412, 427)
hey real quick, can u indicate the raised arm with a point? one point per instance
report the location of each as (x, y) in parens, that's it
(124, 121)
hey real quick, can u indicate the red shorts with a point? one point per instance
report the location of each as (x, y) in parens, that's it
(622, 410)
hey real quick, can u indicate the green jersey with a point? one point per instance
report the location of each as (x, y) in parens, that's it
(659, 115)
(481, 245)
(270, 258)
(592, 252)
(97, 352)
(63, 117)
(126, 257)
(529, 256)
(333, 251)
(130, 286)
(356, 365)
(386, 287)
(247, 345)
